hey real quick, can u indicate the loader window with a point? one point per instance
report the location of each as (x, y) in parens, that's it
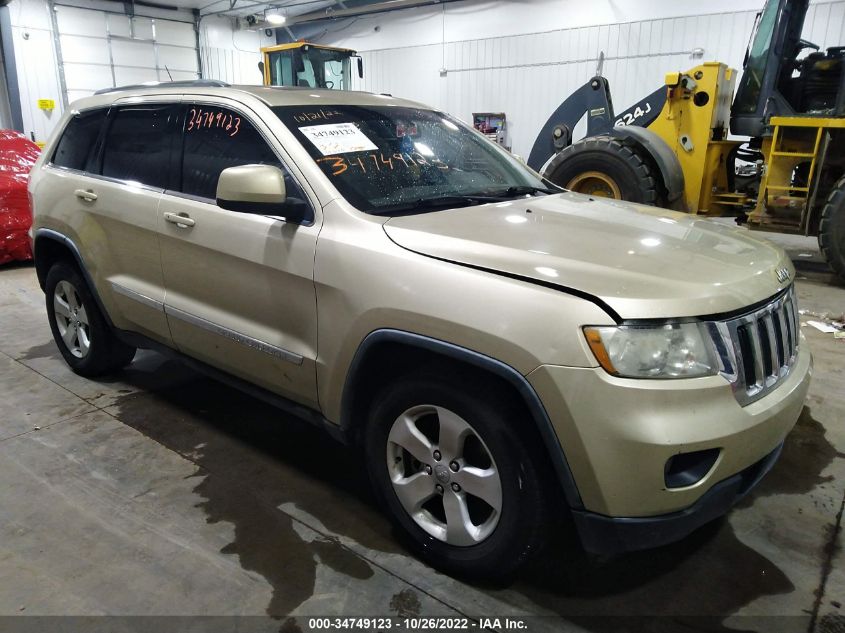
(757, 57)
(388, 160)
(310, 67)
(281, 69)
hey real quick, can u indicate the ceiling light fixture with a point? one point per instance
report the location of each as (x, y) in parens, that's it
(275, 18)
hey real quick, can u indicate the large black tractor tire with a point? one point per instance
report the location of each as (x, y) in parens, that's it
(606, 167)
(832, 229)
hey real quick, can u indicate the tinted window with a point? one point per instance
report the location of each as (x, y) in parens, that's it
(78, 139)
(218, 138)
(137, 146)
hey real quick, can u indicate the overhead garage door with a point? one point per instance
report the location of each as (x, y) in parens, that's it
(102, 50)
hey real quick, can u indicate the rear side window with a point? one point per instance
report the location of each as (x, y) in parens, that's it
(218, 138)
(138, 143)
(76, 146)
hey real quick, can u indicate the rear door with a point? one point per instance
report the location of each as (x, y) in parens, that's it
(112, 197)
(240, 288)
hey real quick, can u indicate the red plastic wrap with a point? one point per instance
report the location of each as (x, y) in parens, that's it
(17, 155)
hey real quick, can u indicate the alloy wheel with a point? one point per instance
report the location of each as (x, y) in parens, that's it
(444, 475)
(71, 319)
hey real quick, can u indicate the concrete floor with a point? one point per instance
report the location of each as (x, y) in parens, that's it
(161, 492)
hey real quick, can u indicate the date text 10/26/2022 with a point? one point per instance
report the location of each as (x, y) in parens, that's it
(416, 624)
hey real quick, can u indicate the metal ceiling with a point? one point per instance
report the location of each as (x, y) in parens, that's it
(296, 11)
(305, 15)
(241, 8)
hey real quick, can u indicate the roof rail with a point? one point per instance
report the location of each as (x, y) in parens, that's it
(195, 83)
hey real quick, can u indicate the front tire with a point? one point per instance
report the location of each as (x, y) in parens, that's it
(454, 469)
(84, 338)
(832, 229)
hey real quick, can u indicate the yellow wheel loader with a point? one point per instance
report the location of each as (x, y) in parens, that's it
(306, 65)
(672, 148)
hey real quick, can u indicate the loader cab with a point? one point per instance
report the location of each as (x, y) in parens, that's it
(306, 65)
(775, 82)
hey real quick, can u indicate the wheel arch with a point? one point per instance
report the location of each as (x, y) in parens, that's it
(387, 352)
(653, 147)
(49, 247)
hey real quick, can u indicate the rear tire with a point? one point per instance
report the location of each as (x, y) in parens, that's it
(832, 229)
(84, 338)
(605, 167)
(485, 543)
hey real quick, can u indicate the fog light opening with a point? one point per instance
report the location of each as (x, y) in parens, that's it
(687, 469)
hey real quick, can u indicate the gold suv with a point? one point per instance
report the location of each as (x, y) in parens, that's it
(499, 348)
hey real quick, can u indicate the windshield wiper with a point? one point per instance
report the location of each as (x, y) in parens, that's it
(462, 200)
(523, 190)
(439, 202)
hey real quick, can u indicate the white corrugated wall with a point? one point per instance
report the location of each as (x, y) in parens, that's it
(231, 54)
(527, 76)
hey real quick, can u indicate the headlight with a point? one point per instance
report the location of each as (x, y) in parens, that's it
(675, 350)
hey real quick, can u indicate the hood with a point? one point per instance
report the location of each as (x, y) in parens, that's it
(642, 262)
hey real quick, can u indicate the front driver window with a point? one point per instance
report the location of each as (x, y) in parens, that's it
(218, 138)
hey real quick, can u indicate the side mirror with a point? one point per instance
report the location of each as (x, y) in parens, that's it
(259, 189)
(360, 68)
(261, 70)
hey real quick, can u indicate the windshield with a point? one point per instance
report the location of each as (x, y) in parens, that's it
(756, 59)
(389, 160)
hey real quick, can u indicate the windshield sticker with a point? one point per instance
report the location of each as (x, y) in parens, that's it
(337, 138)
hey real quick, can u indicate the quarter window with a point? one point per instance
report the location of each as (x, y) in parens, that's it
(138, 144)
(219, 138)
(76, 146)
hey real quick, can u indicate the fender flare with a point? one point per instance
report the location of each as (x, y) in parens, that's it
(526, 392)
(49, 234)
(660, 152)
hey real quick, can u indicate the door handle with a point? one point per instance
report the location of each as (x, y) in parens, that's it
(85, 194)
(182, 221)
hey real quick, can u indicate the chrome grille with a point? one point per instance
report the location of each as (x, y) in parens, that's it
(757, 350)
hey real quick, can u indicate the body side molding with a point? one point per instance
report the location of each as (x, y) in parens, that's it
(233, 335)
(137, 296)
(300, 411)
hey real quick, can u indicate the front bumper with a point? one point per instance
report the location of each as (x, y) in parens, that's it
(618, 434)
(613, 535)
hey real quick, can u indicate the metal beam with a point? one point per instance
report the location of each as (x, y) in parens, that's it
(60, 66)
(307, 25)
(367, 9)
(11, 70)
(258, 6)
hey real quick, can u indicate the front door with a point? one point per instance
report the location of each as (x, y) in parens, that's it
(240, 289)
